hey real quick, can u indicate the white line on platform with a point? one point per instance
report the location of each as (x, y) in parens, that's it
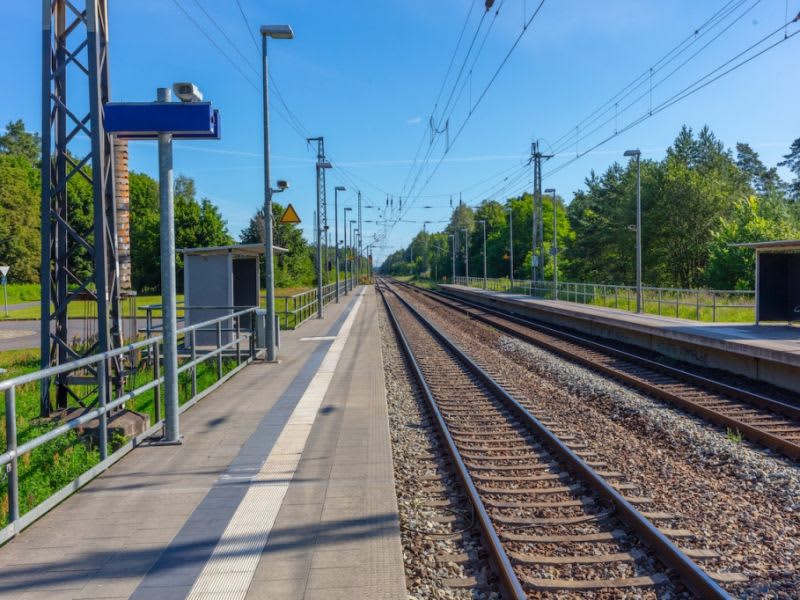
(233, 562)
(318, 338)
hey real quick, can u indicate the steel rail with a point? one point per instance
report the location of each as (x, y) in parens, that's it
(753, 433)
(499, 558)
(695, 578)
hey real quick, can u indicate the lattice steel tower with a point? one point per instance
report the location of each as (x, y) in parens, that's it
(323, 203)
(78, 262)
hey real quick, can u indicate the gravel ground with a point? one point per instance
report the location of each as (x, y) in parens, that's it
(412, 441)
(737, 499)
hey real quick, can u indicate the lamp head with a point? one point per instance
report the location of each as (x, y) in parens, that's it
(340, 188)
(283, 185)
(550, 191)
(635, 153)
(277, 32)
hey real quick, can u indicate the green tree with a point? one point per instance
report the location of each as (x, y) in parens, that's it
(18, 142)
(792, 162)
(763, 180)
(754, 219)
(19, 218)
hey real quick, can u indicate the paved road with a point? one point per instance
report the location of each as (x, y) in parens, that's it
(16, 335)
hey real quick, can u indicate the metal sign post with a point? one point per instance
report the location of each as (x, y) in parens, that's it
(4, 273)
(166, 121)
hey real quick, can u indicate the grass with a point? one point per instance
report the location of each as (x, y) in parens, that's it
(23, 292)
(51, 466)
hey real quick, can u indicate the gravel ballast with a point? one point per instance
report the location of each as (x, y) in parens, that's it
(424, 539)
(740, 500)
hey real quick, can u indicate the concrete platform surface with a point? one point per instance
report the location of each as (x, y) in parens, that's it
(283, 488)
(767, 352)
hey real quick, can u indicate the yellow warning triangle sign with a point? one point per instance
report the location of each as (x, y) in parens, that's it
(289, 216)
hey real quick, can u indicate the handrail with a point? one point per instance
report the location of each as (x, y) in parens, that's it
(96, 358)
(680, 302)
(10, 457)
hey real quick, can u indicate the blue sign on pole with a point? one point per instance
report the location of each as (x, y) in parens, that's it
(145, 120)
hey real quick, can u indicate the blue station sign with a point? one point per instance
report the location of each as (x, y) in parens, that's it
(145, 120)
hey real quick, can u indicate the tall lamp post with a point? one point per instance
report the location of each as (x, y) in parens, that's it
(483, 222)
(352, 254)
(466, 253)
(510, 212)
(278, 32)
(453, 246)
(638, 154)
(554, 247)
(344, 247)
(336, 190)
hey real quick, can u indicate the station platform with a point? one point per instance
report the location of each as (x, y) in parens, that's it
(283, 488)
(769, 353)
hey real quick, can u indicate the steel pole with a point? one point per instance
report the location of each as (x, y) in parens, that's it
(484, 255)
(319, 247)
(336, 238)
(453, 243)
(269, 266)
(5, 293)
(466, 254)
(638, 234)
(555, 247)
(168, 290)
(511, 246)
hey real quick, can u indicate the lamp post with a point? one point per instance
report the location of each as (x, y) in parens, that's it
(510, 212)
(352, 255)
(278, 32)
(453, 245)
(638, 154)
(321, 164)
(466, 253)
(336, 190)
(344, 247)
(554, 247)
(483, 222)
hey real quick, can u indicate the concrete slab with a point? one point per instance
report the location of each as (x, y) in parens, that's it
(150, 526)
(768, 353)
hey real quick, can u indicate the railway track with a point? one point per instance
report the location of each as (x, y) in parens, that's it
(554, 522)
(763, 420)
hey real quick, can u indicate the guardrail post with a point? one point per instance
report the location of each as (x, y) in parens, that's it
(102, 399)
(219, 346)
(157, 377)
(11, 446)
(277, 333)
(659, 302)
(193, 342)
(239, 333)
(698, 305)
(713, 307)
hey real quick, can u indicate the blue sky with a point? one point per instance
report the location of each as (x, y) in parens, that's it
(366, 74)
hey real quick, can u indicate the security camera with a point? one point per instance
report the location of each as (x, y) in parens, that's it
(187, 92)
(283, 184)
(632, 227)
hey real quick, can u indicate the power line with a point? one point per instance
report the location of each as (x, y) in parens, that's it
(694, 87)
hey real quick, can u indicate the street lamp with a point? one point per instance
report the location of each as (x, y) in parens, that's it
(344, 247)
(352, 257)
(554, 248)
(638, 154)
(453, 245)
(483, 222)
(336, 190)
(466, 253)
(510, 212)
(278, 32)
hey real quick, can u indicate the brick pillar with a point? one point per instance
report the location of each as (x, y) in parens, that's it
(123, 212)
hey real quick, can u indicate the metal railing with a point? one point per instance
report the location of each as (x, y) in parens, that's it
(694, 304)
(294, 310)
(95, 368)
